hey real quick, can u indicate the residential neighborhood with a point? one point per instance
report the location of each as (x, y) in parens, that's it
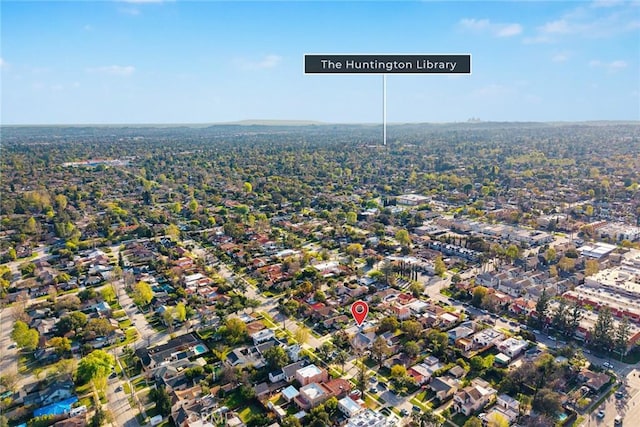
(134, 295)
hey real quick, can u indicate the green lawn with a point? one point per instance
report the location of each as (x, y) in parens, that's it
(250, 411)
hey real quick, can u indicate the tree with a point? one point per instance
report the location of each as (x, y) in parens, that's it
(95, 365)
(352, 218)
(479, 292)
(62, 345)
(416, 289)
(354, 249)
(622, 335)
(98, 327)
(379, 350)
(235, 330)
(398, 371)
(550, 255)
(496, 419)
(575, 316)
(603, 331)
(412, 328)
(301, 335)
(161, 398)
(388, 324)
(411, 348)
(99, 417)
(142, 293)
(341, 358)
(181, 312)
(25, 337)
(74, 321)
(290, 421)
(542, 306)
(402, 236)
(276, 357)
(512, 252)
(325, 350)
(548, 402)
(439, 266)
(248, 188)
(592, 266)
(473, 422)
(108, 294)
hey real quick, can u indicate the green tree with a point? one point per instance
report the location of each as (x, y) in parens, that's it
(550, 255)
(389, 323)
(592, 266)
(142, 293)
(439, 266)
(473, 422)
(412, 328)
(290, 421)
(235, 330)
(379, 350)
(354, 249)
(479, 292)
(301, 335)
(602, 333)
(108, 293)
(352, 218)
(402, 236)
(621, 336)
(248, 188)
(276, 357)
(161, 398)
(95, 365)
(74, 321)
(25, 337)
(542, 306)
(62, 345)
(181, 312)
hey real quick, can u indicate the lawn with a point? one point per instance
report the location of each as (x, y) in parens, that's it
(459, 419)
(250, 411)
(140, 383)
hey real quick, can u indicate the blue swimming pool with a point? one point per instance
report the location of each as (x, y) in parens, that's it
(199, 349)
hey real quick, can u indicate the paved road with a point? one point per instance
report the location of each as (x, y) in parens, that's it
(8, 356)
(119, 405)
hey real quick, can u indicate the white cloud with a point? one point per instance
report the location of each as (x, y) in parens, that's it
(610, 66)
(601, 19)
(3, 63)
(560, 57)
(114, 70)
(132, 11)
(268, 61)
(561, 26)
(87, 27)
(495, 29)
(509, 30)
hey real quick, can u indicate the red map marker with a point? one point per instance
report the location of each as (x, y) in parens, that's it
(359, 310)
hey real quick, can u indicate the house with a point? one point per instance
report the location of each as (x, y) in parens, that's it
(595, 381)
(457, 371)
(54, 393)
(513, 347)
(487, 338)
(349, 407)
(311, 374)
(290, 393)
(464, 344)
(507, 402)
(443, 387)
(176, 349)
(459, 332)
(263, 336)
(474, 397)
(311, 395)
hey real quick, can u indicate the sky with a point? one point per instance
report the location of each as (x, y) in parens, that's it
(152, 61)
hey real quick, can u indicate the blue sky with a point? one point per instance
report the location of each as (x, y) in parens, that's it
(151, 61)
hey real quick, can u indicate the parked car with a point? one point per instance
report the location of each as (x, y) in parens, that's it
(600, 413)
(617, 421)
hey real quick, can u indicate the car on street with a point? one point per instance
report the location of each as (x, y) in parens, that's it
(617, 421)
(600, 414)
(404, 413)
(119, 388)
(416, 408)
(619, 394)
(607, 365)
(373, 390)
(552, 338)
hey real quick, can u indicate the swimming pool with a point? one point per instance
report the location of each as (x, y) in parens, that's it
(199, 349)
